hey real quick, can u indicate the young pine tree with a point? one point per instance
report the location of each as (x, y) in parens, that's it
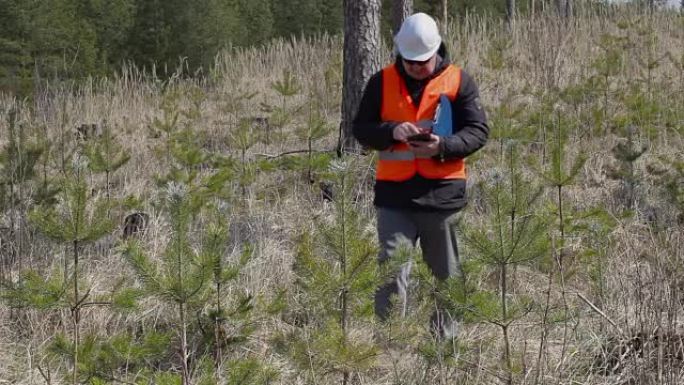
(607, 67)
(167, 124)
(77, 219)
(559, 176)
(514, 234)
(627, 152)
(180, 277)
(18, 160)
(283, 114)
(105, 155)
(243, 138)
(316, 128)
(336, 276)
(222, 308)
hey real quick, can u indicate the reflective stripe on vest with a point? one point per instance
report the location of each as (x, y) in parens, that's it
(398, 162)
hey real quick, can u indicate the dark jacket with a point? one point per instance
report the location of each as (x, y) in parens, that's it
(470, 134)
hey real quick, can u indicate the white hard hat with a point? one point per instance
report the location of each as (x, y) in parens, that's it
(418, 38)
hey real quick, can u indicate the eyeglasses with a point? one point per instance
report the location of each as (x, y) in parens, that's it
(416, 62)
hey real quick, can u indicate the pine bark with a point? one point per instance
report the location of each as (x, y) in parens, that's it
(564, 8)
(445, 18)
(401, 9)
(510, 12)
(361, 60)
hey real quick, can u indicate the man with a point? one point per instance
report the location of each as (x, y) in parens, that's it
(420, 182)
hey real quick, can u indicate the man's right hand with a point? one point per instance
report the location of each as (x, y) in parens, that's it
(403, 130)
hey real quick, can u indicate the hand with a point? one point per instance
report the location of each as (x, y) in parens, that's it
(403, 130)
(426, 149)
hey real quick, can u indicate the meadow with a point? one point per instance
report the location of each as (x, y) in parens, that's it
(252, 257)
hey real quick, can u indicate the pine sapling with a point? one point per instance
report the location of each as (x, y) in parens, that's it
(337, 275)
(243, 138)
(627, 152)
(316, 128)
(116, 358)
(221, 307)
(607, 68)
(286, 87)
(514, 235)
(105, 155)
(559, 176)
(168, 123)
(181, 275)
(77, 219)
(18, 160)
(46, 188)
(189, 164)
(332, 85)
(235, 102)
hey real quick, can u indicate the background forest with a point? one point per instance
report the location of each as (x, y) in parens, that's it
(71, 39)
(168, 225)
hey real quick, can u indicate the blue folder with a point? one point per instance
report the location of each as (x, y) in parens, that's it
(441, 125)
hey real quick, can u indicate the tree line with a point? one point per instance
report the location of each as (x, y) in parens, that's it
(71, 39)
(67, 39)
(75, 38)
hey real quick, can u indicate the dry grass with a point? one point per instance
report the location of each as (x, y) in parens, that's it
(641, 284)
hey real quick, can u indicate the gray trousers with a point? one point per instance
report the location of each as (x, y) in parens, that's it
(434, 231)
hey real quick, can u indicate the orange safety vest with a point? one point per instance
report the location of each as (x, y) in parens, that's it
(398, 163)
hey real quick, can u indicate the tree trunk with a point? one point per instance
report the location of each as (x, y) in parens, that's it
(401, 9)
(445, 18)
(564, 8)
(76, 316)
(510, 12)
(185, 370)
(361, 60)
(533, 10)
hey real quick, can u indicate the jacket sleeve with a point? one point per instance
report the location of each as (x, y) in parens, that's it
(469, 122)
(368, 128)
